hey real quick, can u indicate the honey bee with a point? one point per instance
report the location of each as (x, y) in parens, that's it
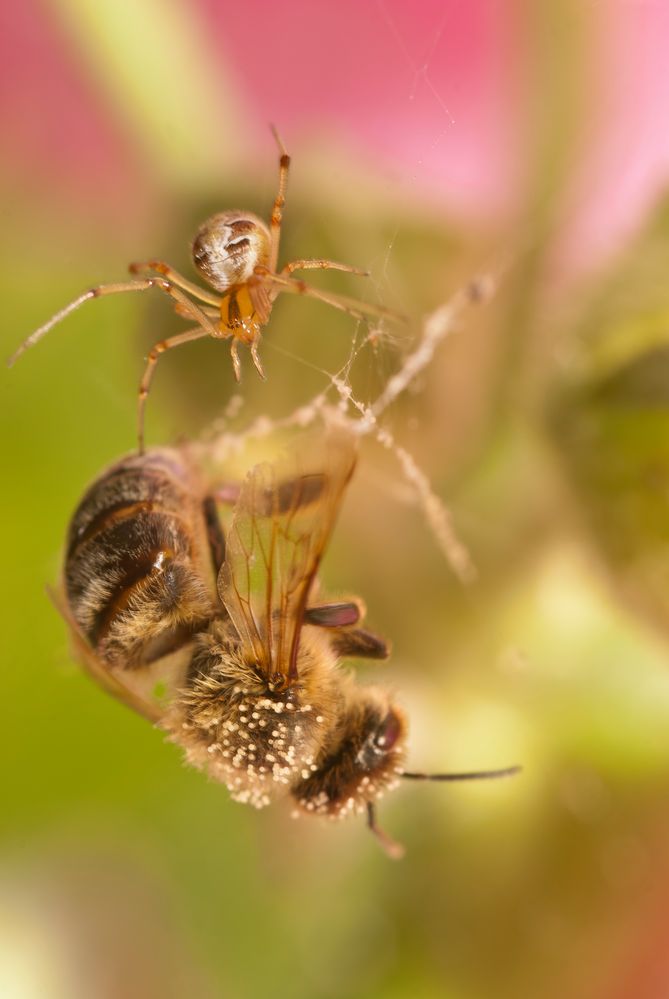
(237, 254)
(224, 640)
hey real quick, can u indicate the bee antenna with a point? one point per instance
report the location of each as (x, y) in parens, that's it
(392, 848)
(471, 775)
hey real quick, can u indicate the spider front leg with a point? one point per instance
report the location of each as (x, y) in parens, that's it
(256, 360)
(279, 202)
(236, 364)
(350, 305)
(318, 264)
(188, 308)
(152, 359)
(97, 292)
(185, 313)
(160, 267)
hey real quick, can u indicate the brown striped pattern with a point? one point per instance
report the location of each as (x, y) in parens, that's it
(136, 573)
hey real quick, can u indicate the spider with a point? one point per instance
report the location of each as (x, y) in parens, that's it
(237, 255)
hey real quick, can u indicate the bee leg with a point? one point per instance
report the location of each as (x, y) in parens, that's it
(360, 644)
(391, 847)
(215, 534)
(228, 493)
(339, 615)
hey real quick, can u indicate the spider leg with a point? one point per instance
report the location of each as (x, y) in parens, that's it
(152, 359)
(350, 305)
(188, 308)
(256, 360)
(279, 202)
(234, 354)
(97, 292)
(212, 313)
(331, 265)
(160, 267)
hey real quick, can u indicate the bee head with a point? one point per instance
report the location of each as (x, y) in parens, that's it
(362, 759)
(228, 246)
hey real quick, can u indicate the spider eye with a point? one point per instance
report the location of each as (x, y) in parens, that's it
(388, 732)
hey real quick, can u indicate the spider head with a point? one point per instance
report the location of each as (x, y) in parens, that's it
(228, 246)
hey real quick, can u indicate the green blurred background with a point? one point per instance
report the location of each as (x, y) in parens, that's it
(542, 423)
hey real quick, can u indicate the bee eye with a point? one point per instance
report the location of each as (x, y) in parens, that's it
(388, 732)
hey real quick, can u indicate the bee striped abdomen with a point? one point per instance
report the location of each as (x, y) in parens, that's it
(132, 573)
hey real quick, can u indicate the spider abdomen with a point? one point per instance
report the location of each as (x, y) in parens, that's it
(228, 247)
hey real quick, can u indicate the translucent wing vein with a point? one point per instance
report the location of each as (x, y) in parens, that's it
(281, 526)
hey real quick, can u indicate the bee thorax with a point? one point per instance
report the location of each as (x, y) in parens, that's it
(254, 739)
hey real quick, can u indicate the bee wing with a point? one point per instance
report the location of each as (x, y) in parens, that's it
(107, 679)
(280, 529)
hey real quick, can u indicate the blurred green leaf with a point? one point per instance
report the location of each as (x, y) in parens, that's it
(155, 63)
(610, 418)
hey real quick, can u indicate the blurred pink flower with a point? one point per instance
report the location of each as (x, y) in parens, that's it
(56, 129)
(625, 164)
(434, 93)
(430, 88)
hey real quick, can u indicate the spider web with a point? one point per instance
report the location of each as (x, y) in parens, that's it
(337, 404)
(337, 401)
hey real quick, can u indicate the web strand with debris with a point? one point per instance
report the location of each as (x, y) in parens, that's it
(363, 419)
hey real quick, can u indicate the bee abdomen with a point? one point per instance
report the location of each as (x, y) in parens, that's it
(132, 576)
(158, 480)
